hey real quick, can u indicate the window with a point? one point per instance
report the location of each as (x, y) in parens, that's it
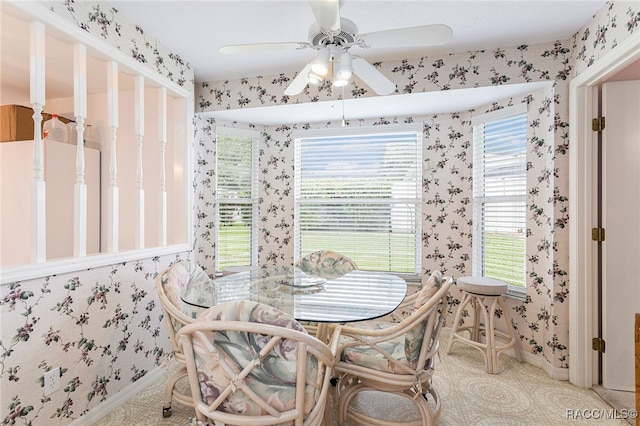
(499, 195)
(236, 198)
(359, 193)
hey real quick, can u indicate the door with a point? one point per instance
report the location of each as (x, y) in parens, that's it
(620, 182)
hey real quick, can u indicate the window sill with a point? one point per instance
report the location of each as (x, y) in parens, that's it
(519, 293)
(409, 278)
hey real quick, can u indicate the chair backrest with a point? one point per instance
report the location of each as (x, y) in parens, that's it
(170, 283)
(250, 364)
(407, 305)
(429, 327)
(420, 332)
(326, 263)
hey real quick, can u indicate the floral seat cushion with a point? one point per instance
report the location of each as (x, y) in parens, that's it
(364, 355)
(327, 264)
(220, 356)
(405, 349)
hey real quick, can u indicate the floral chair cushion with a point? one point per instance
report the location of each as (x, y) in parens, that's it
(368, 357)
(414, 337)
(327, 264)
(176, 281)
(180, 276)
(405, 349)
(220, 356)
(430, 288)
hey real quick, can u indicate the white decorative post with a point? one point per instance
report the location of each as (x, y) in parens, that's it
(37, 99)
(80, 112)
(112, 189)
(162, 120)
(139, 132)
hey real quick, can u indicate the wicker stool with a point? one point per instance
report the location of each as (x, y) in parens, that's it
(484, 295)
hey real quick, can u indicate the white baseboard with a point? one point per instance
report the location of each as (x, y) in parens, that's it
(553, 372)
(129, 392)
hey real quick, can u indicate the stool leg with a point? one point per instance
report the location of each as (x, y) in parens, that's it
(475, 327)
(480, 305)
(456, 321)
(492, 367)
(510, 330)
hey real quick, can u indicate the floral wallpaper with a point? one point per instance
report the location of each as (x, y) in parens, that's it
(541, 320)
(615, 22)
(103, 326)
(204, 198)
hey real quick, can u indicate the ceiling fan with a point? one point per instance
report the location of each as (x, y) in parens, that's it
(332, 36)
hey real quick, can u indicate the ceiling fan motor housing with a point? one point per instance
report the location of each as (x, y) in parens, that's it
(319, 38)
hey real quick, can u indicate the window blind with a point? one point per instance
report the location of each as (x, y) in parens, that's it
(360, 195)
(499, 196)
(236, 200)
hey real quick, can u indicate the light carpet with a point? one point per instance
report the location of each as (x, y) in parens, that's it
(520, 394)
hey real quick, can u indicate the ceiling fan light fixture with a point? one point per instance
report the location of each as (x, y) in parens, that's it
(320, 64)
(339, 82)
(314, 78)
(345, 69)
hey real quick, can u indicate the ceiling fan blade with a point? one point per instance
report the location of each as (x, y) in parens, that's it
(299, 82)
(327, 13)
(372, 77)
(423, 35)
(262, 47)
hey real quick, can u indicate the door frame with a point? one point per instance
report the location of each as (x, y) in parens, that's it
(583, 300)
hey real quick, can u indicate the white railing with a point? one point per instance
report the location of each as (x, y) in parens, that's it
(172, 150)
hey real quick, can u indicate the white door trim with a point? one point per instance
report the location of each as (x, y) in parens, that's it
(581, 207)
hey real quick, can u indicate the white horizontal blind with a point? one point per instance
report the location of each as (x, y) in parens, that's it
(359, 195)
(499, 198)
(236, 200)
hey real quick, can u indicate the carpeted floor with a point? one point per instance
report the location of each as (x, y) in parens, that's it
(520, 394)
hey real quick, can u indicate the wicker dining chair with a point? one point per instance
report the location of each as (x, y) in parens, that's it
(170, 283)
(394, 358)
(252, 364)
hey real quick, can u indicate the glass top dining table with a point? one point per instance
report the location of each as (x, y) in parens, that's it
(354, 296)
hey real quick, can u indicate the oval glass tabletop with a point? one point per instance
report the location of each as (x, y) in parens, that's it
(355, 296)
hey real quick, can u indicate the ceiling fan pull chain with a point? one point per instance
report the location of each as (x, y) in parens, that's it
(343, 120)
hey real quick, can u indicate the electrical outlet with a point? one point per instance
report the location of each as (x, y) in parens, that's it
(51, 381)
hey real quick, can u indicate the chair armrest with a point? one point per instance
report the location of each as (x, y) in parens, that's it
(334, 341)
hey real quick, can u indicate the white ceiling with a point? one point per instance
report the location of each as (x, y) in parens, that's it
(197, 29)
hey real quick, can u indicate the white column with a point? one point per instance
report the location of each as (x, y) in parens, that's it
(80, 187)
(113, 196)
(162, 120)
(139, 133)
(37, 99)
